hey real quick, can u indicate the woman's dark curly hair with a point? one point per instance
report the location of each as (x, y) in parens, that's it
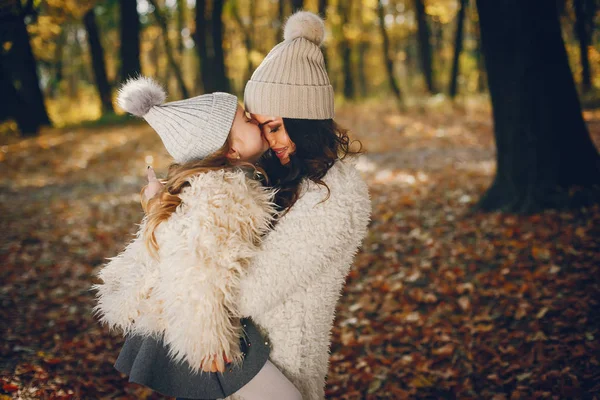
(319, 144)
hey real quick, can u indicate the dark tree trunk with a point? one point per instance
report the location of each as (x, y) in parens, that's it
(458, 43)
(22, 72)
(174, 66)
(297, 5)
(97, 55)
(389, 63)
(344, 10)
(543, 146)
(424, 38)
(220, 71)
(584, 13)
(362, 48)
(130, 39)
(15, 106)
(201, 38)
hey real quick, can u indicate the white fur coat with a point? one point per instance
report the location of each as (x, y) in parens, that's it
(292, 286)
(190, 295)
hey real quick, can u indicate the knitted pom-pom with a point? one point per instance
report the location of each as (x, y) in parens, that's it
(138, 95)
(304, 24)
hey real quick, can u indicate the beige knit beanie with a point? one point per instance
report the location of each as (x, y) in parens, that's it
(292, 80)
(190, 129)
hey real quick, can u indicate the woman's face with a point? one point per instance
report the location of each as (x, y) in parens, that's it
(274, 132)
(247, 142)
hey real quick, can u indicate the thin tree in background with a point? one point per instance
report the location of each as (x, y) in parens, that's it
(424, 39)
(389, 63)
(246, 33)
(543, 145)
(220, 71)
(130, 39)
(322, 7)
(181, 18)
(478, 53)
(344, 10)
(20, 69)
(362, 48)
(98, 65)
(299, 4)
(585, 10)
(201, 38)
(458, 44)
(175, 68)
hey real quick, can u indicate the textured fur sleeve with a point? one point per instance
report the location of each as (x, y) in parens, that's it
(207, 243)
(126, 280)
(310, 237)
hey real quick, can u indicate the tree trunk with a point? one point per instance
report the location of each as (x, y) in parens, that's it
(97, 55)
(362, 48)
(424, 37)
(481, 73)
(181, 9)
(458, 43)
(323, 13)
(175, 68)
(23, 72)
(201, 38)
(584, 29)
(220, 71)
(389, 63)
(15, 106)
(247, 34)
(130, 40)
(298, 5)
(543, 146)
(344, 10)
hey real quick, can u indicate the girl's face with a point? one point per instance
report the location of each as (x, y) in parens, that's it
(247, 142)
(274, 132)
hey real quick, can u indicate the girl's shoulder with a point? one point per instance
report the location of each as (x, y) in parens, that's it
(233, 184)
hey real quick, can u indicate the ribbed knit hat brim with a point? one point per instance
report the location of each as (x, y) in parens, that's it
(188, 133)
(289, 101)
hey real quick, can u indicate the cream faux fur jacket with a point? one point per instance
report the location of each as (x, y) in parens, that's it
(293, 284)
(190, 295)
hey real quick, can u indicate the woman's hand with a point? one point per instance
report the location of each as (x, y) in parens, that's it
(214, 365)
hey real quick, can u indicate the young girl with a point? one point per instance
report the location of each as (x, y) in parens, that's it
(173, 290)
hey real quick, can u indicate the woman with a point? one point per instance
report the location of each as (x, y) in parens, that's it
(292, 285)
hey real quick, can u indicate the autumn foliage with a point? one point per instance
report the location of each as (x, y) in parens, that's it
(442, 301)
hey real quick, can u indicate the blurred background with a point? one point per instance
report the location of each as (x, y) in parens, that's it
(480, 122)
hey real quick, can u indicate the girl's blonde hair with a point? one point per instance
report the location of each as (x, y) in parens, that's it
(160, 207)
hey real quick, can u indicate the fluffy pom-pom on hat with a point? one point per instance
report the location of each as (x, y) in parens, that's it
(304, 24)
(138, 95)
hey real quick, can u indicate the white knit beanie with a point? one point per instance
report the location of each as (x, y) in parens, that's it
(292, 80)
(190, 129)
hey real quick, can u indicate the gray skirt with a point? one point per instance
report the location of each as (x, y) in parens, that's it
(145, 361)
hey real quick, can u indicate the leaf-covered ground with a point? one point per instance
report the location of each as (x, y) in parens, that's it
(441, 302)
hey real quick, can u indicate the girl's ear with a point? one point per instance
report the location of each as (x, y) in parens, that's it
(233, 154)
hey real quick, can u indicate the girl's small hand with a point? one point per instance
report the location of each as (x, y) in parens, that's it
(154, 186)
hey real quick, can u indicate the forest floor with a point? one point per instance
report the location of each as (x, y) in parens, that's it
(442, 302)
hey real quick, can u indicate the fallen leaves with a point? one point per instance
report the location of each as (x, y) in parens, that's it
(441, 302)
